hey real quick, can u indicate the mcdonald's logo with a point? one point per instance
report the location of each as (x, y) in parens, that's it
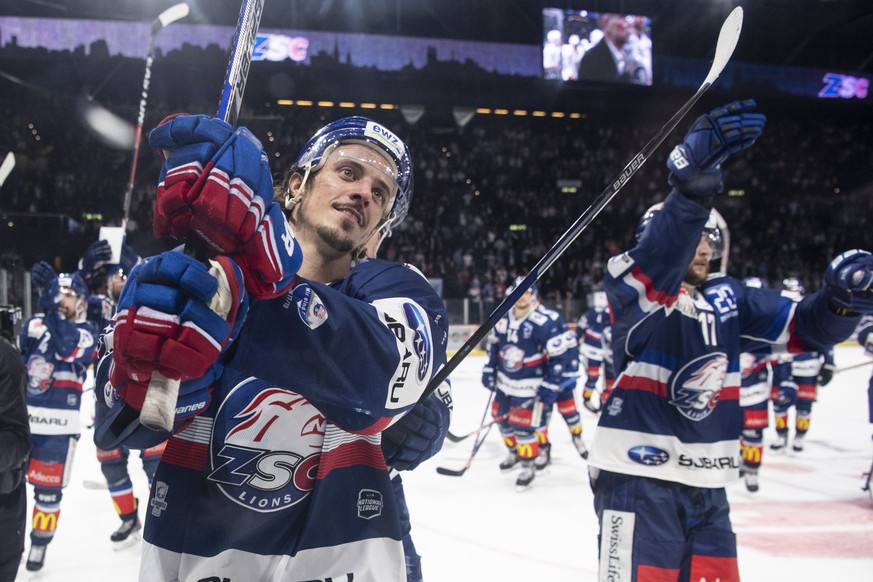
(45, 522)
(751, 454)
(526, 451)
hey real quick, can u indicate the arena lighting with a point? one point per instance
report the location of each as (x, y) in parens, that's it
(391, 106)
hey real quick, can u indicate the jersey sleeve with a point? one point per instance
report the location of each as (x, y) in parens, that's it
(361, 351)
(808, 325)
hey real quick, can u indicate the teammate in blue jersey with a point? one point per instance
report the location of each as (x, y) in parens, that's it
(796, 378)
(756, 372)
(105, 281)
(57, 346)
(532, 364)
(294, 363)
(667, 441)
(594, 332)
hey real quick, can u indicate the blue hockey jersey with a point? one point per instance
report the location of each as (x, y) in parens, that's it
(282, 477)
(531, 350)
(674, 413)
(56, 353)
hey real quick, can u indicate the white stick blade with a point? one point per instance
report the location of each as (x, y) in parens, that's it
(173, 13)
(6, 167)
(727, 42)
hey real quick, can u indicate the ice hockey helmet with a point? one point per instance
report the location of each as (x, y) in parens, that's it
(362, 130)
(518, 281)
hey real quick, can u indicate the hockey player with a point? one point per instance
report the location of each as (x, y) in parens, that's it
(532, 360)
(796, 380)
(275, 470)
(593, 331)
(105, 282)
(57, 346)
(667, 442)
(755, 370)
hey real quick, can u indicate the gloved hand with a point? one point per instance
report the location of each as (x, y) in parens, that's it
(849, 283)
(825, 374)
(217, 182)
(176, 317)
(50, 298)
(695, 165)
(547, 394)
(417, 436)
(787, 394)
(41, 274)
(98, 254)
(489, 378)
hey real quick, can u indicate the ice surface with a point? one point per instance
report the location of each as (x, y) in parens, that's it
(810, 521)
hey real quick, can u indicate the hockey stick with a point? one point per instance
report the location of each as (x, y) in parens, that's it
(727, 42)
(165, 18)
(487, 427)
(6, 167)
(456, 439)
(159, 407)
(853, 366)
(458, 472)
(490, 423)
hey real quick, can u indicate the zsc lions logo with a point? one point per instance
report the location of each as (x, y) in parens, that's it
(648, 455)
(694, 390)
(418, 324)
(512, 357)
(265, 446)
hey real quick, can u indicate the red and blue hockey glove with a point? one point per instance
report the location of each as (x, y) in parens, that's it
(695, 164)
(217, 183)
(174, 317)
(849, 283)
(489, 378)
(418, 435)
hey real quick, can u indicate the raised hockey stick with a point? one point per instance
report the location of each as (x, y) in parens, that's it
(165, 18)
(727, 42)
(6, 167)
(159, 407)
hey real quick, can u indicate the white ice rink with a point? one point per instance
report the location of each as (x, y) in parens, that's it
(810, 521)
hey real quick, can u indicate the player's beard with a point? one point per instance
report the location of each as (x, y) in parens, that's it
(692, 277)
(335, 238)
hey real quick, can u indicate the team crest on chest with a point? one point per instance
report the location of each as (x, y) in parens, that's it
(265, 446)
(695, 389)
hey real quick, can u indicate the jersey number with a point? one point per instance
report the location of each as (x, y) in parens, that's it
(707, 327)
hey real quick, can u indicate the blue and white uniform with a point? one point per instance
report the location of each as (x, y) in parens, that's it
(524, 354)
(291, 437)
(56, 354)
(668, 437)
